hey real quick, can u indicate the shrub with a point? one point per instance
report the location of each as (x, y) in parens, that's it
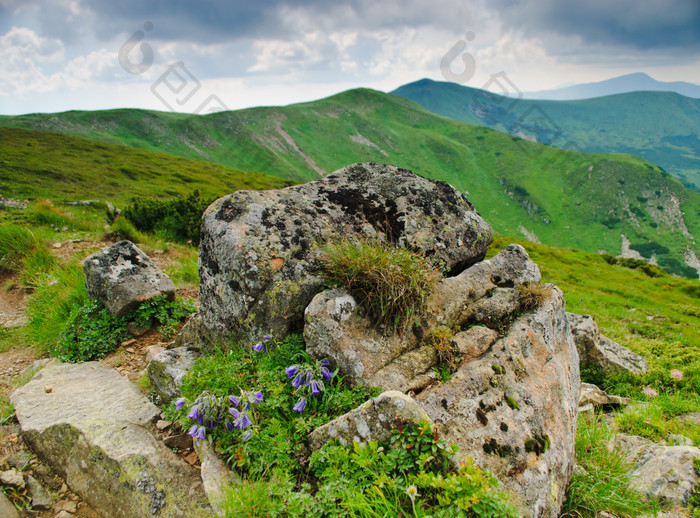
(178, 219)
(390, 283)
(91, 332)
(122, 229)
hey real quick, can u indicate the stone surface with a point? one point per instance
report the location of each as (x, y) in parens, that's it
(665, 472)
(512, 404)
(12, 477)
(259, 250)
(371, 421)
(41, 500)
(93, 428)
(167, 370)
(20, 460)
(592, 395)
(335, 329)
(121, 277)
(600, 351)
(216, 475)
(7, 510)
(181, 441)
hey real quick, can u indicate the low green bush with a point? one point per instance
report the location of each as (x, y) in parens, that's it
(90, 331)
(177, 219)
(390, 283)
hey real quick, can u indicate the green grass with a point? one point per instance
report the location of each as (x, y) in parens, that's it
(601, 479)
(580, 200)
(36, 165)
(661, 127)
(390, 283)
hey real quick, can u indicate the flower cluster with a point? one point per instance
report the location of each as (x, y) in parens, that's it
(308, 378)
(209, 411)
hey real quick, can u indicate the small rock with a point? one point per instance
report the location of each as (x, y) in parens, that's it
(63, 514)
(678, 440)
(48, 389)
(130, 350)
(181, 442)
(41, 500)
(20, 460)
(127, 343)
(590, 394)
(191, 458)
(64, 488)
(65, 505)
(167, 370)
(162, 425)
(12, 478)
(136, 330)
(58, 245)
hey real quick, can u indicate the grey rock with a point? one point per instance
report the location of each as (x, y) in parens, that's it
(12, 478)
(66, 506)
(664, 472)
(475, 341)
(20, 460)
(259, 252)
(7, 510)
(692, 418)
(64, 514)
(372, 421)
(675, 439)
(168, 368)
(216, 475)
(121, 277)
(514, 409)
(93, 429)
(41, 500)
(12, 204)
(512, 404)
(593, 395)
(337, 330)
(600, 351)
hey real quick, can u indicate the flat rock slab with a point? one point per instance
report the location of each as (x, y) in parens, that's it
(122, 276)
(93, 427)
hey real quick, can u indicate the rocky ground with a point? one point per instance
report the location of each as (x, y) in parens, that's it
(130, 360)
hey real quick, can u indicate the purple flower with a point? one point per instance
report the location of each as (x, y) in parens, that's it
(325, 363)
(267, 337)
(243, 421)
(297, 381)
(234, 400)
(260, 348)
(235, 413)
(314, 388)
(200, 433)
(299, 407)
(193, 430)
(180, 403)
(194, 413)
(291, 371)
(247, 435)
(229, 426)
(327, 374)
(258, 396)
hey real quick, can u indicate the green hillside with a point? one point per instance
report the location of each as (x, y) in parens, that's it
(584, 201)
(36, 164)
(662, 127)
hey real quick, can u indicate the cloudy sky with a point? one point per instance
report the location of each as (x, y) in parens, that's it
(189, 56)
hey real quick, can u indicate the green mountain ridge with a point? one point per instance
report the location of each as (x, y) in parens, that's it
(662, 127)
(561, 197)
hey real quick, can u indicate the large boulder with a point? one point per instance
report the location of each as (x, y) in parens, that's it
(121, 277)
(94, 428)
(600, 351)
(259, 252)
(512, 403)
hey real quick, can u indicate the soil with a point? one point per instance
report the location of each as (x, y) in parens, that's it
(130, 360)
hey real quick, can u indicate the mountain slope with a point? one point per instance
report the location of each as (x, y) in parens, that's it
(662, 127)
(638, 82)
(37, 164)
(585, 201)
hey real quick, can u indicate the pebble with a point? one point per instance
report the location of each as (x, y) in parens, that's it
(41, 500)
(65, 505)
(162, 425)
(63, 514)
(20, 460)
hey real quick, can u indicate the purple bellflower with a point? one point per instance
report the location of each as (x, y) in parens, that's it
(299, 407)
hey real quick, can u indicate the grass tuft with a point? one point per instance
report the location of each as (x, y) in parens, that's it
(531, 295)
(390, 283)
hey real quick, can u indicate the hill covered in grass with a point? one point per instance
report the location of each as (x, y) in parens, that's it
(561, 197)
(662, 127)
(37, 164)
